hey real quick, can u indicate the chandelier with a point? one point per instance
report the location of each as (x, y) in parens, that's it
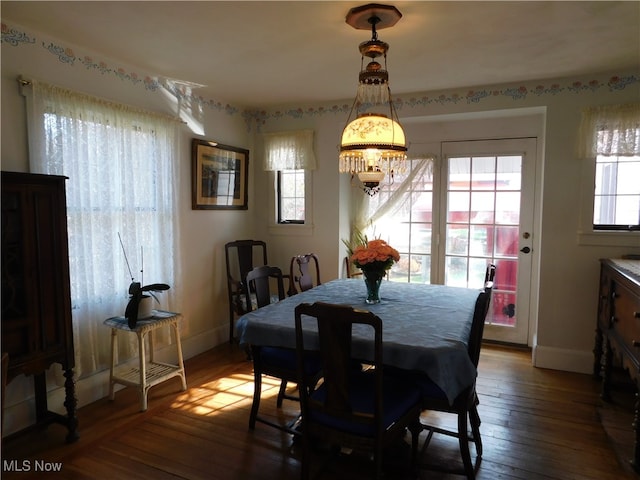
(373, 143)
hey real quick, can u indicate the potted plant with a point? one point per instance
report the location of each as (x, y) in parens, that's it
(139, 306)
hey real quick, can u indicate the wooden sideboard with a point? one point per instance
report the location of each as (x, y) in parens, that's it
(618, 331)
(36, 298)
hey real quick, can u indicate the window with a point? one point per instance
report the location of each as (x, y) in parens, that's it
(291, 196)
(616, 203)
(121, 169)
(401, 213)
(609, 148)
(290, 156)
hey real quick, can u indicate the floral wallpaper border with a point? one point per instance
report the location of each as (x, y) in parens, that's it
(16, 38)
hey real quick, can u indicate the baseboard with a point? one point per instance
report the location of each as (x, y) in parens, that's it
(577, 361)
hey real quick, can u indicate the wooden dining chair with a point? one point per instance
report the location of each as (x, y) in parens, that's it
(275, 362)
(304, 272)
(465, 405)
(352, 408)
(241, 256)
(350, 268)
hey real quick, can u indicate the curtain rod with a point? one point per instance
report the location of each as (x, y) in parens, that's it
(23, 82)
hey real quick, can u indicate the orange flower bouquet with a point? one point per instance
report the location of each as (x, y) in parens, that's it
(374, 258)
(375, 255)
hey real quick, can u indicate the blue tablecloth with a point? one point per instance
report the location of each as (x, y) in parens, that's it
(425, 327)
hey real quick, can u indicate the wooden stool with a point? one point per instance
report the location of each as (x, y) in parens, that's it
(149, 373)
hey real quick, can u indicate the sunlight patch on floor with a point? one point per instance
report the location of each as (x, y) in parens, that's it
(233, 391)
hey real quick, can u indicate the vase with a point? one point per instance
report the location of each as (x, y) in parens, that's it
(373, 279)
(145, 307)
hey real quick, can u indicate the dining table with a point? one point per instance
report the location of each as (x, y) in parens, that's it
(425, 327)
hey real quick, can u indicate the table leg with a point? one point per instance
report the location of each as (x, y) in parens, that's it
(183, 377)
(70, 404)
(151, 349)
(143, 372)
(114, 333)
(597, 354)
(606, 371)
(40, 387)
(635, 461)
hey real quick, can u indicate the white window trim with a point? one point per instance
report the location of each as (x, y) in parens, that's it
(586, 235)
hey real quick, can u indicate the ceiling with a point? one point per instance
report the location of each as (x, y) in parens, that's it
(261, 54)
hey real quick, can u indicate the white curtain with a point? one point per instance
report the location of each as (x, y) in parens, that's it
(121, 165)
(612, 130)
(289, 151)
(392, 198)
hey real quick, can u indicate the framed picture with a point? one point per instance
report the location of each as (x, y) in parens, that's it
(220, 176)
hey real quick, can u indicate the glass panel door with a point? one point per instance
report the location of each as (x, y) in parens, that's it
(487, 215)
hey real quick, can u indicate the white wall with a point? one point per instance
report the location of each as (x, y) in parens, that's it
(568, 271)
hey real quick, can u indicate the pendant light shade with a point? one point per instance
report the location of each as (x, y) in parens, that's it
(371, 130)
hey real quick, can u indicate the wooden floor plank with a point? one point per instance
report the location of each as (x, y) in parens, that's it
(536, 425)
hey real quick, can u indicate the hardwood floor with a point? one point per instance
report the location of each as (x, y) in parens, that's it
(536, 424)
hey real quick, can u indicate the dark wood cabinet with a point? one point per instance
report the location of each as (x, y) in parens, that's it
(618, 330)
(36, 298)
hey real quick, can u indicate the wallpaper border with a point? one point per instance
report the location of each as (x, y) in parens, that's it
(17, 37)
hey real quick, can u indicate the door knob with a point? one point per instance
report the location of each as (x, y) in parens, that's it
(525, 249)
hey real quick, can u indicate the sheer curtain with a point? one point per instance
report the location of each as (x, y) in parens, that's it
(392, 200)
(121, 165)
(612, 130)
(289, 151)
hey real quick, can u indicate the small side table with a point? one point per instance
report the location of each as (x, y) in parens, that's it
(149, 373)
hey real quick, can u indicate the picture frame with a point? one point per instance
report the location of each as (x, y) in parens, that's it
(219, 176)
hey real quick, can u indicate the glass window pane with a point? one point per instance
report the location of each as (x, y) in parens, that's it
(477, 270)
(456, 271)
(418, 268)
(482, 207)
(457, 239)
(421, 238)
(509, 173)
(503, 309)
(483, 175)
(627, 208)
(506, 274)
(421, 207)
(478, 240)
(398, 237)
(628, 178)
(458, 207)
(508, 208)
(459, 174)
(598, 217)
(288, 209)
(606, 174)
(507, 240)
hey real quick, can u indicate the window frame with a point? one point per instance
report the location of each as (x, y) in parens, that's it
(604, 130)
(587, 235)
(614, 160)
(290, 228)
(279, 219)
